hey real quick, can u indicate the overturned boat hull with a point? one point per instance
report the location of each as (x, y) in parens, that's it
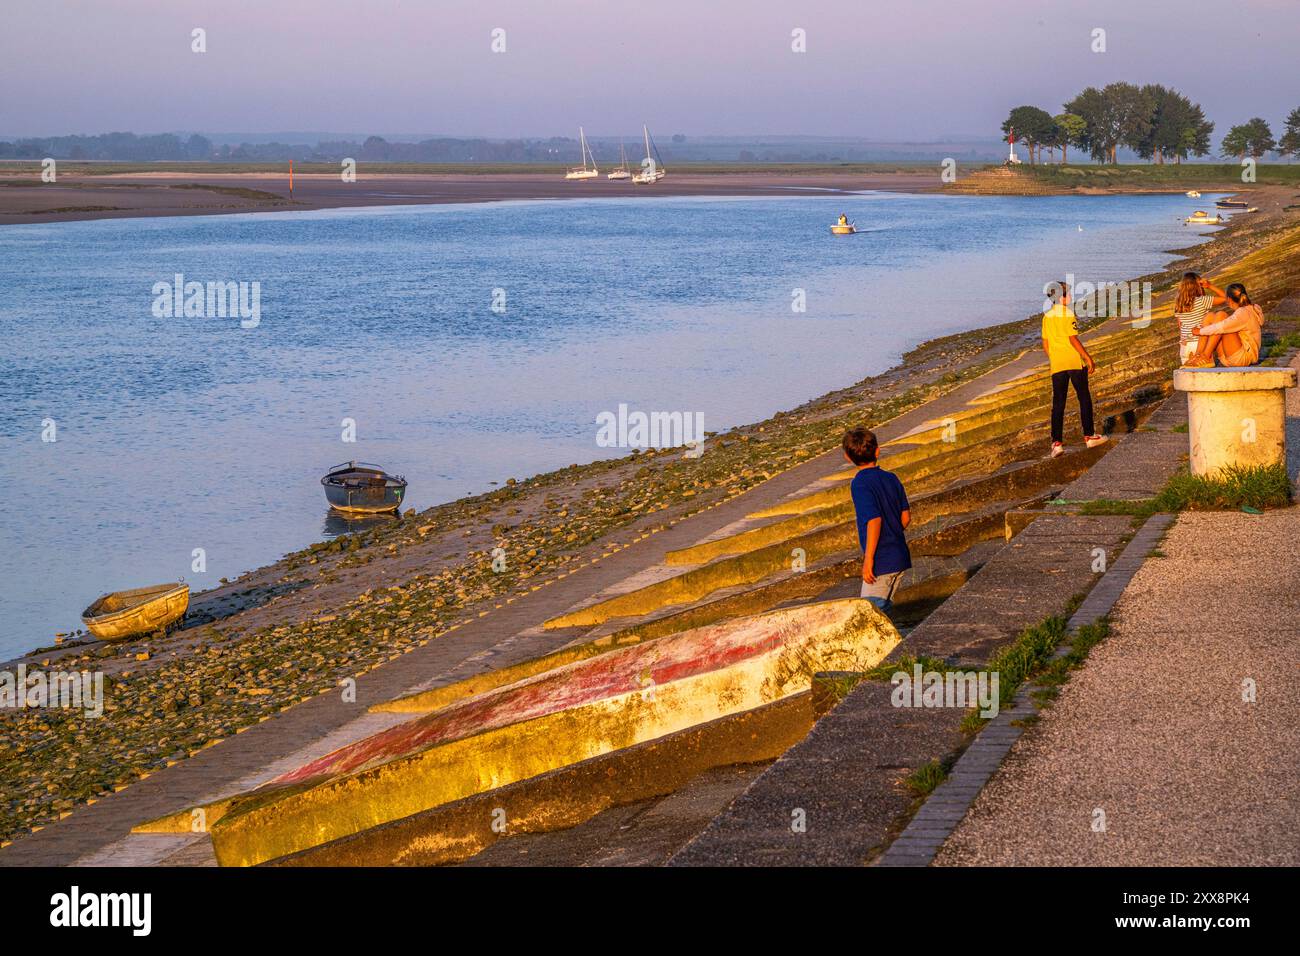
(546, 722)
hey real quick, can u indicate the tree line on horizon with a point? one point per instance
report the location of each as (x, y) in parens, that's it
(169, 147)
(1156, 122)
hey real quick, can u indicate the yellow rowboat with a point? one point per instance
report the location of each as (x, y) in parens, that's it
(1202, 218)
(122, 614)
(847, 229)
(548, 721)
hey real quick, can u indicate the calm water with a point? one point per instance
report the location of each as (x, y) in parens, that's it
(183, 433)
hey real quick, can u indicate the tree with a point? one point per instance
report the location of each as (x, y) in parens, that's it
(1119, 114)
(1252, 138)
(1289, 145)
(1178, 127)
(198, 147)
(1194, 139)
(1031, 126)
(1091, 107)
(1070, 130)
(1133, 109)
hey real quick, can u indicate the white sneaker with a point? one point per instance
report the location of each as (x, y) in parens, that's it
(1057, 449)
(1092, 441)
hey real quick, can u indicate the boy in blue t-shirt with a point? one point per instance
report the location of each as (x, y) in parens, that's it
(880, 504)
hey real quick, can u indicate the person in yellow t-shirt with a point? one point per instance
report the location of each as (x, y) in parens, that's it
(1071, 364)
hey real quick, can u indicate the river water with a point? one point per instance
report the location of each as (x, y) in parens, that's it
(458, 345)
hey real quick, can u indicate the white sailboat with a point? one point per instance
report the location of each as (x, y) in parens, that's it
(652, 169)
(585, 171)
(622, 172)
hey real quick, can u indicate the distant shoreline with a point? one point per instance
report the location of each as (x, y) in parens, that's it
(90, 192)
(80, 197)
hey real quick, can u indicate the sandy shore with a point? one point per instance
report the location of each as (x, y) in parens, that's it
(76, 196)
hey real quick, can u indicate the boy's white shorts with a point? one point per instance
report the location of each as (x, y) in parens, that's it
(881, 593)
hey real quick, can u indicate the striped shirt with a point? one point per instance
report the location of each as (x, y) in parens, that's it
(1193, 317)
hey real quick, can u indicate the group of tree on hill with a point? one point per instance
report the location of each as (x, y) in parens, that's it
(1156, 122)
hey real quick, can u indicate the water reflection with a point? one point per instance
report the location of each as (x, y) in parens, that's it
(338, 523)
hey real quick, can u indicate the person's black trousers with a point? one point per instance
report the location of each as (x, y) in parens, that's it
(1060, 387)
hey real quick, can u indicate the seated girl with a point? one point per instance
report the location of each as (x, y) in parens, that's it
(1235, 338)
(1196, 297)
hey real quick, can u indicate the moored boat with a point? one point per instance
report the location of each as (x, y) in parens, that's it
(362, 488)
(121, 614)
(622, 172)
(1231, 204)
(1193, 194)
(551, 720)
(1203, 218)
(584, 171)
(652, 167)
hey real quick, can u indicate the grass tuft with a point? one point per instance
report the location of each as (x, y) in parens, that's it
(924, 779)
(1264, 486)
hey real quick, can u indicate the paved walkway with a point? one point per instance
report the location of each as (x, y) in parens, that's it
(1176, 743)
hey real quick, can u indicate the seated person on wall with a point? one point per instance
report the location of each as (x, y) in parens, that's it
(1196, 297)
(1233, 338)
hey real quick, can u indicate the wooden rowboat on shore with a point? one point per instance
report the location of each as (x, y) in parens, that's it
(122, 614)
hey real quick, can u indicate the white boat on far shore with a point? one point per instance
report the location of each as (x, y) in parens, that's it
(585, 171)
(622, 172)
(652, 167)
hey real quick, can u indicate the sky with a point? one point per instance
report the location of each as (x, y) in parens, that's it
(905, 70)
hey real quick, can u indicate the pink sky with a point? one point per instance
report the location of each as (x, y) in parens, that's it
(909, 69)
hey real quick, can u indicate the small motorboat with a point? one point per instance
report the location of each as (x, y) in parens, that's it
(1193, 194)
(122, 614)
(1231, 204)
(1203, 218)
(362, 488)
(843, 229)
